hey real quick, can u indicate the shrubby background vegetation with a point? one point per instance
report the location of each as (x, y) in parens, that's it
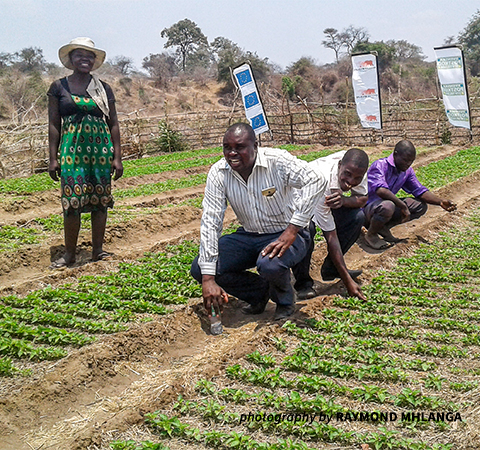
(193, 73)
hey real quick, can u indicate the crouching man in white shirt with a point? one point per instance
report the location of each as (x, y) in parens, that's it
(259, 184)
(339, 217)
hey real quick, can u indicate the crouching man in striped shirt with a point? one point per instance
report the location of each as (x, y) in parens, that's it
(259, 184)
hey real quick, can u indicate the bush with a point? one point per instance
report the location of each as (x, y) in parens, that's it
(169, 140)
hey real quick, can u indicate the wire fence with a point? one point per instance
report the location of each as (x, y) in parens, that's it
(24, 148)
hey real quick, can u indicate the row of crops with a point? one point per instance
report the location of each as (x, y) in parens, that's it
(47, 323)
(12, 237)
(399, 371)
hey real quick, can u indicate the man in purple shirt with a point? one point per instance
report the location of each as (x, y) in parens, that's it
(384, 209)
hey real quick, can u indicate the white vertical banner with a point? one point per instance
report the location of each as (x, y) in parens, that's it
(451, 74)
(366, 90)
(251, 98)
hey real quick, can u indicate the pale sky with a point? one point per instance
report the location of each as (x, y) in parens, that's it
(282, 30)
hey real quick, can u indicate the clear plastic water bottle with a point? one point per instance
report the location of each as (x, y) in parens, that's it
(216, 326)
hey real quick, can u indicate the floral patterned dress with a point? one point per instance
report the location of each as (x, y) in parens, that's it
(86, 156)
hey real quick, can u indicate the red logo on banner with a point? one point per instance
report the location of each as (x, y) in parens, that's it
(371, 118)
(368, 63)
(368, 92)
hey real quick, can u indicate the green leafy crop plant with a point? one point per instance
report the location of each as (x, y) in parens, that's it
(133, 445)
(261, 360)
(45, 335)
(12, 237)
(96, 304)
(166, 158)
(169, 427)
(20, 348)
(162, 186)
(406, 318)
(7, 368)
(39, 316)
(412, 346)
(449, 169)
(169, 167)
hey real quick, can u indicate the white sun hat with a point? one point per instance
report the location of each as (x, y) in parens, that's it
(86, 44)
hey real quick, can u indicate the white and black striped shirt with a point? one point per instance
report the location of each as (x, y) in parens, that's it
(273, 168)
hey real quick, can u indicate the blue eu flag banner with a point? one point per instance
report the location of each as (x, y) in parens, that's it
(244, 77)
(251, 98)
(258, 121)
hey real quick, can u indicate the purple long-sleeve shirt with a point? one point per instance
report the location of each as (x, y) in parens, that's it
(384, 174)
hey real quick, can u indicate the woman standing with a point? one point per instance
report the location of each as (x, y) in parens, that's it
(84, 144)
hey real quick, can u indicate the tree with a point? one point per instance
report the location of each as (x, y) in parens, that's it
(228, 55)
(351, 36)
(386, 52)
(201, 57)
(24, 92)
(302, 67)
(5, 60)
(122, 64)
(185, 35)
(260, 67)
(470, 39)
(404, 51)
(161, 67)
(333, 41)
(29, 60)
(450, 40)
(222, 45)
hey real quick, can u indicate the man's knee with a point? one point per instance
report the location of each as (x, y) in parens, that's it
(270, 268)
(195, 270)
(418, 210)
(359, 218)
(422, 208)
(384, 211)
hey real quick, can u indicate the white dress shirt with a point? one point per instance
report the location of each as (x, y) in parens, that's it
(274, 170)
(328, 168)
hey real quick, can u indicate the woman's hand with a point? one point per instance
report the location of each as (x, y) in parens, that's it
(117, 168)
(54, 170)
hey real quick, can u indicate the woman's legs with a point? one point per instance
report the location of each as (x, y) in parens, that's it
(71, 226)
(99, 223)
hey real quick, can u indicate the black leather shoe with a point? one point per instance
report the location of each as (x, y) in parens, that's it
(284, 311)
(256, 309)
(306, 293)
(353, 273)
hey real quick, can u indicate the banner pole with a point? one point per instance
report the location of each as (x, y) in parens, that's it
(346, 112)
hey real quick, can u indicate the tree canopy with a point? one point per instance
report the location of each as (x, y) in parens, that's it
(186, 36)
(348, 38)
(470, 39)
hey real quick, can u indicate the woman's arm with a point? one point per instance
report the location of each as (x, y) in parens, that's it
(112, 121)
(54, 132)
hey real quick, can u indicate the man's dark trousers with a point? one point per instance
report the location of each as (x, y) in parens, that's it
(241, 251)
(348, 223)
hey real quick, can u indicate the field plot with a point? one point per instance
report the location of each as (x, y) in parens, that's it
(96, 356)
(397, 372)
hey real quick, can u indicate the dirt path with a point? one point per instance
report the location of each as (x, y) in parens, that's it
(76, 402)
